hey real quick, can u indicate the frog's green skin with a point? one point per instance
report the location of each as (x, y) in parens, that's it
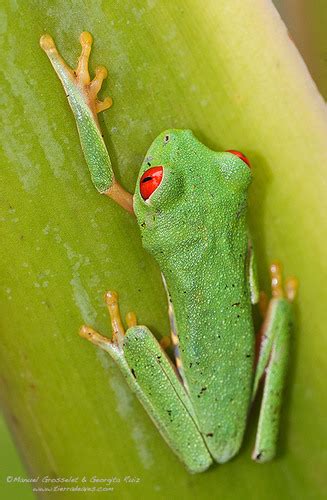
(194, 224)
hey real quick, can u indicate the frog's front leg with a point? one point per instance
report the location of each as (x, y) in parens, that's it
(272, 362)
(151, 375)
(81, 93)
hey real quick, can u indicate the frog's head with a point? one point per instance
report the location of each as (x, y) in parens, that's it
(184, 188)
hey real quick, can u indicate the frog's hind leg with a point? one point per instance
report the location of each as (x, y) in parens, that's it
(272, 362)
(152, 377)
(82, 93)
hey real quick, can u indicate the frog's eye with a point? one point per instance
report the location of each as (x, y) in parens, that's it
(240, 155)
(166, 138)
(150, 180)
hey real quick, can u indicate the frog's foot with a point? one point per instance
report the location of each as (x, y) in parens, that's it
(80, 78)
(118, 331)
(95, 337)
(277, 290)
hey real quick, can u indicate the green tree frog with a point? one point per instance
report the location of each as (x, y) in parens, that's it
(190, 204)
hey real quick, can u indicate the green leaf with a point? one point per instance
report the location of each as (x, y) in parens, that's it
(229, 72)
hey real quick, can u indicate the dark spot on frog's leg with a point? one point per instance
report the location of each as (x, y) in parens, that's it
(133, 372)
(191, 364)
(202, 391)
(210, 434)
(248, 356)
(236, 304)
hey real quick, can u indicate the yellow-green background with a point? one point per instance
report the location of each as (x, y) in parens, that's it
(228, 71)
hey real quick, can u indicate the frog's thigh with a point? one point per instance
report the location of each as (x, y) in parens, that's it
(160, 391)
(272, 361)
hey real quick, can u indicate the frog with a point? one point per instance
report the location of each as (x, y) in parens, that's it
(190, 204)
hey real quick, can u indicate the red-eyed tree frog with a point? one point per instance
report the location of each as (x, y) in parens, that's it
(190, 204)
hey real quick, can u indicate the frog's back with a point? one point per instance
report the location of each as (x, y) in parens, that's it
(195, 226)
(216, 344)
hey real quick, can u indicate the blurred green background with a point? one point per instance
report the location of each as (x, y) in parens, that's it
(306, 22)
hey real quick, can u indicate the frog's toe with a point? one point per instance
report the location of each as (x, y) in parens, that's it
(101, 74)
(93, 336)
(291, 287)
(47, 43)
(131, 319)
(103, 105)
(111, 299)
(277, 289)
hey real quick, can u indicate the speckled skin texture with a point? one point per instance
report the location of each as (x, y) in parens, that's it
(273, 361)
(164, 397)
(195, 226)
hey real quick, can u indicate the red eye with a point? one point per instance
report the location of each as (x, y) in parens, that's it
(240, 155)
(150, 180)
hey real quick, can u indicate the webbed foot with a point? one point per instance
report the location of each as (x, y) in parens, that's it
(118, 330)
